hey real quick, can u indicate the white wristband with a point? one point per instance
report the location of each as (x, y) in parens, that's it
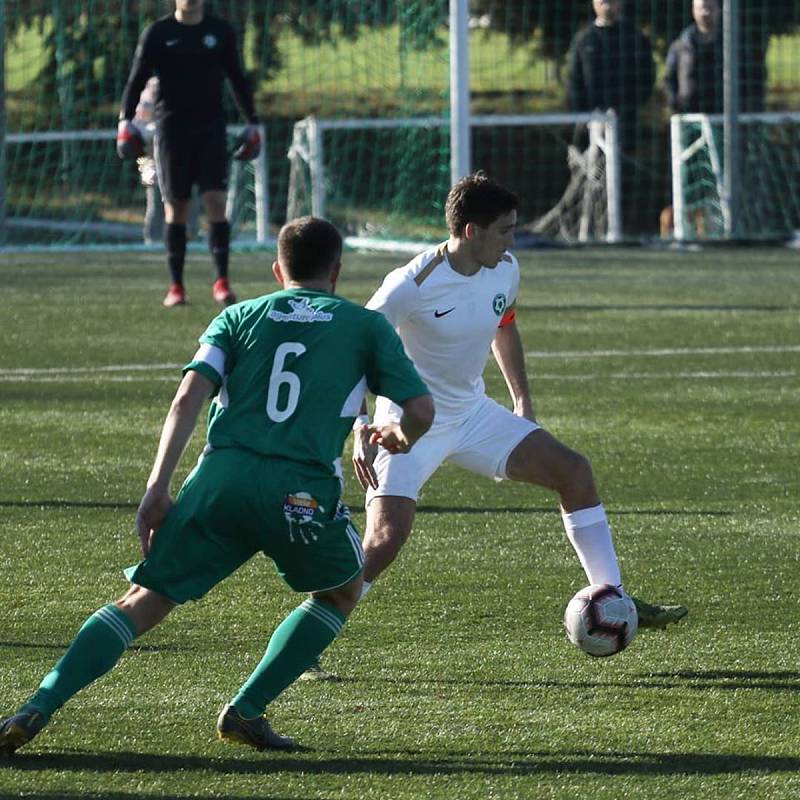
(360, 421)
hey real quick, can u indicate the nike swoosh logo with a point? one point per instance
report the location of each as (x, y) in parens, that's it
(171, 42)
(438, 314)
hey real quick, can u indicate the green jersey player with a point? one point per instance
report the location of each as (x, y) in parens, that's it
(288, 372)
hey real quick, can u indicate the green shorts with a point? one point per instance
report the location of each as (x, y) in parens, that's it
(236, 503)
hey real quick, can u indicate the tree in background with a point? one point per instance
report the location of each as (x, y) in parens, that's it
(89, 44)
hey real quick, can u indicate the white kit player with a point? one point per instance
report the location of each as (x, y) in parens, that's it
(451, 305)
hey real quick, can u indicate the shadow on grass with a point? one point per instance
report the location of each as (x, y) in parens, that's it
(423, 509)
(782, 680)
(773, 681)
(66, 504)
(515, 764)
(133, 796)
(612, 512)
(124, 796)
(700, 308)
(141, 648)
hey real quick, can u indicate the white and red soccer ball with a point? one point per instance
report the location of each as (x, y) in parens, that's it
(601, 620)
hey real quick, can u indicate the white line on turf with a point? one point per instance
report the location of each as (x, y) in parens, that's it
(537, 376)
(142, 377)
(698, 375)
(88, 370)
(672, 351)
(52, 374)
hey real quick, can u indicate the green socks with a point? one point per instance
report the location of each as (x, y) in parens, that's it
(295, 645)
(99, 644)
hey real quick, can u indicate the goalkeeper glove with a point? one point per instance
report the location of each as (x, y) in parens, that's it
(248, 144)
(130, 142)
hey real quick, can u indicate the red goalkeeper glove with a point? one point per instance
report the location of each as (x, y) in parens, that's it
(248, 144)
(130, 142)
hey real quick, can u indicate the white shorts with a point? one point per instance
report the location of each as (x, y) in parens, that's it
(481, 442)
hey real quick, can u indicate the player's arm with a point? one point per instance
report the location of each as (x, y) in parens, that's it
(194, 390)
(671, 77)
(141, 70)
(510, 356)
(242, 90)
(248, 143)
(364, 451)
(391, 375)
(130, 142)
(399, 437)
(396, 437)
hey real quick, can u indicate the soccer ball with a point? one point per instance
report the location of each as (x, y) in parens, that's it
(601, 620)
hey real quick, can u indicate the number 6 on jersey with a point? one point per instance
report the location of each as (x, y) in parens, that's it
(280, 377)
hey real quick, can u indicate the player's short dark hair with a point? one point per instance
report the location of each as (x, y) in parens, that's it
(479, 199)
(308, 247)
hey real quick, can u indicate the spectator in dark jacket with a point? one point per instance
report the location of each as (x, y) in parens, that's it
(611, 66)
(694, 63)
(694, 80)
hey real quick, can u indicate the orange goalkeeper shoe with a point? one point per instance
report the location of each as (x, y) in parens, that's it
(221, 292)
(176, 296)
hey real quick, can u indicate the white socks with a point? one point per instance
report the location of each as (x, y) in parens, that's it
(590, 535)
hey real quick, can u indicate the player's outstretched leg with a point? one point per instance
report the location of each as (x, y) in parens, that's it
(175, 240)
(541, 459)
(389, 523)
(219, 234)
(97, 647)
(652, 615)
(95, 650)
(219, 237)
(296, 643)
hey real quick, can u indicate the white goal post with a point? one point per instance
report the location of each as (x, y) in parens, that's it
(309, 148)
(122, 231)
(769, 163)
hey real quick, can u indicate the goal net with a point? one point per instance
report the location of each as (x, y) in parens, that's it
(69, 188)
(65, 64)
(360, 94)
(375, 77)
(769, 164)
(573, 195)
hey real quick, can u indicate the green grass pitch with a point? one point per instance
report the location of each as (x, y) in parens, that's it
(677, 373)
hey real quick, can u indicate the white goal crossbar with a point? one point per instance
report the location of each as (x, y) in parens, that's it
(308, 145)
(260, 186)
(704, 140)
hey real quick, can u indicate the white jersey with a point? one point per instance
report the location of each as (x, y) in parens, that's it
(447, 322)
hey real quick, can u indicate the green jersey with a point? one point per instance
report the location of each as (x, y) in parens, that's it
(293, 368)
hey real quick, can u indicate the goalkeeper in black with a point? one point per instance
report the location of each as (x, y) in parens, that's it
(191, 52)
